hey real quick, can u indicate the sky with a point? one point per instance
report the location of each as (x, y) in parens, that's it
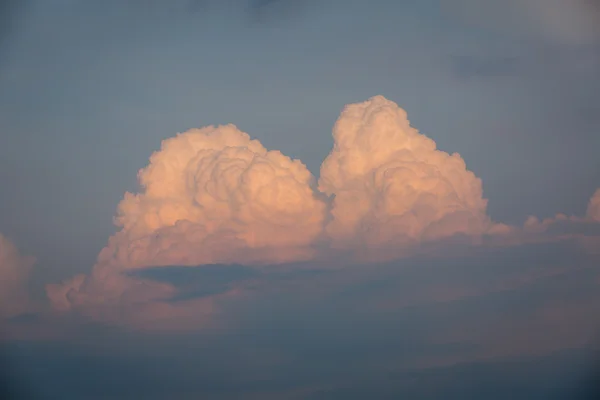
(299, 199)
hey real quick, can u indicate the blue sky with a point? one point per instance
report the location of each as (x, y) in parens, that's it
(88, 90)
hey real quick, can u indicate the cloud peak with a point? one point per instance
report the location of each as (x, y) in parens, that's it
(391, 184)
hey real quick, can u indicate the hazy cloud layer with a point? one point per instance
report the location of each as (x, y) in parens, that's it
(564, 22)
(313, 330)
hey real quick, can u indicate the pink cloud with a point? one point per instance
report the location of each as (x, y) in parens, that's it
(593, 211)
(15, 269)
(215, 196)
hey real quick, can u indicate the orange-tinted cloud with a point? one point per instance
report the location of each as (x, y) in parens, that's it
(14, 274)
(111, 296)
(392, 186)
(215, 196)
(585, 231)
(535, 225)
(593, 211)
(210, 195)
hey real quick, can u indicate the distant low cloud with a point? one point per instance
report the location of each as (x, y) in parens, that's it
(593, 211)
(15, 269)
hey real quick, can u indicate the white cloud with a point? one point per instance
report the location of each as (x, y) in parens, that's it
(213, 195)
(210, 195)
(392, 186)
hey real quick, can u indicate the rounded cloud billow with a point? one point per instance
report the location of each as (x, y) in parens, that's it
(209, 196)
(213, 195)
(392, 186)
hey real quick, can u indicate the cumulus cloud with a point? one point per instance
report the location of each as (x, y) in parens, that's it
(210, 195)
(584, 231)
(535, 225)
(215, 196)
(14, 273)
(392, 186)
(593, 211)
